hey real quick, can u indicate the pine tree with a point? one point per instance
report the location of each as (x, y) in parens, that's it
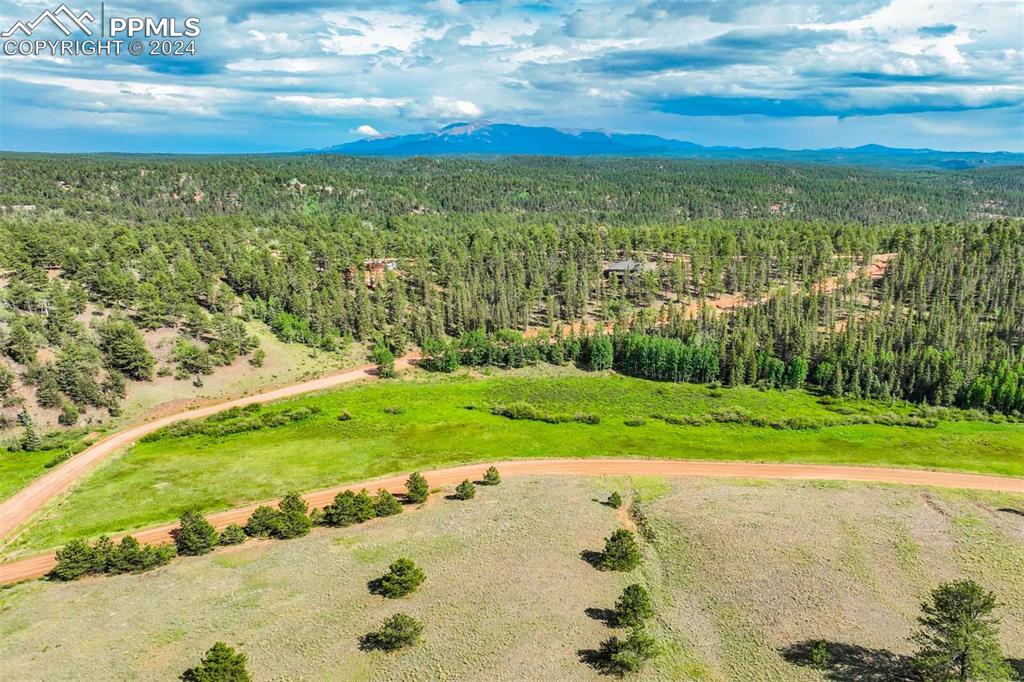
(221, 663)
(195, 535)
(416, 488)
(959, 636)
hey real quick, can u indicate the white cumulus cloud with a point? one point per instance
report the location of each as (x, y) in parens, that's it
(367, 130)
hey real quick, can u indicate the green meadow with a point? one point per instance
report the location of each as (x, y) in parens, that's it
(434, 421)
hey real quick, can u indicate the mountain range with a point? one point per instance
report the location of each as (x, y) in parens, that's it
(501, 139)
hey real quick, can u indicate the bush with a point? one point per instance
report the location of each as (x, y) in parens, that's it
(131, 557)
(293, 519)
(394, 409)
(349, 508)
(397, 632)
(621, 656)
(465, 490)
(621, 552)
(344, 416)
(638, 421)
(68, 415)
(386, 504)
(263, 523)
(195, 535)
(232, 535)
(633, 607)
(491, 476)
(76, 559)
(220, 664)
(819, 655)
(416, 488)
(403, 577)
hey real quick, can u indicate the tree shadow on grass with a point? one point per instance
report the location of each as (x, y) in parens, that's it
(598, 660)
(1010, 510)
(606, 616)
(591, 557)
(1018, 666)
(852, 662)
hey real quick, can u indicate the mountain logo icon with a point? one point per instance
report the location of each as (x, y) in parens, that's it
(62, 18)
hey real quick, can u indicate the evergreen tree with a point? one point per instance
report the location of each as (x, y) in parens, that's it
(465, 490)
(124, 349)
(386, 504)
(416, 488)
(491, 476)
(221, 663)
(959, 635)
(398, 631)
(621, 552)
(194, 535)
(403, 578)
(634, 606)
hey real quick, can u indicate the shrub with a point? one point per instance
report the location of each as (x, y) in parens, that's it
(819, 655)
(633, 606)
(621, 552)
(465, 490)
(586, 418)
(416, 488)
(232, 535)
(385, 360)
(68, 415)
(220, 664)
(398, 631)
(263, 523)
(76, 559)
(195, 535)
(386, 504)
(131, 557)
(344, 416)
(638, 421)
(615, 500)
(394, 409)
(621, 656)
(293, 517)
(403, 577)
(491, 476)
(637, 515)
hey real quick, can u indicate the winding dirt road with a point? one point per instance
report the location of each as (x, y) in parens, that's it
(38, 566)
(17, 509)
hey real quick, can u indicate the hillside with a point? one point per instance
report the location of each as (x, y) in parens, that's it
(299, 608)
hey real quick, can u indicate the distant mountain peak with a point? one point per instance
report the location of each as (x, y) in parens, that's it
(482, 137)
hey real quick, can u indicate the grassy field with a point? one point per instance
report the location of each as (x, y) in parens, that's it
(743, 573)
(442, 421)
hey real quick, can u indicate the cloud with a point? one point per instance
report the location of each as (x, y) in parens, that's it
(367, 130)
(292, 74)
(937, 31)
(335, 105)
(739, 46)
(442, 107)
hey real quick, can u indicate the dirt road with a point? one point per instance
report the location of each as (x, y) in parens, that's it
(18, 508)
(37, 566)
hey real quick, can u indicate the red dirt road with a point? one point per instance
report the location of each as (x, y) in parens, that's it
(38, 566)
(21, 506)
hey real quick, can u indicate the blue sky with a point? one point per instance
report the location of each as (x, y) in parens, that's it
(278, 75)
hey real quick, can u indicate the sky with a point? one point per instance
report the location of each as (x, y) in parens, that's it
(281, 75)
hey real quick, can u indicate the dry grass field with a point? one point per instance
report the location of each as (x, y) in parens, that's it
(742, 573)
